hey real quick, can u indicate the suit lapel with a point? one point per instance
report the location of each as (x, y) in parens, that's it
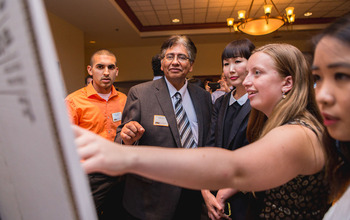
(165, 103)
(221, 116)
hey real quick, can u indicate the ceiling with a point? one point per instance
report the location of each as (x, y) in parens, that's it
(119, 23)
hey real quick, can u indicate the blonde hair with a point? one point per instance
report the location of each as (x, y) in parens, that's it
(300, 101)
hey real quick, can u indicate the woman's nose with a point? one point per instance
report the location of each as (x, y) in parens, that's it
(247, 80)
(324, 93)
(232, 69)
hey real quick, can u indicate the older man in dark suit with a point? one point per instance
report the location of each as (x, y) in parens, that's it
(172, 113)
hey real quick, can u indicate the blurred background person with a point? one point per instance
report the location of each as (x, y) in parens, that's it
(88, 79)
(220, 88)
(206, 86)
(196, 82)
(156, 67)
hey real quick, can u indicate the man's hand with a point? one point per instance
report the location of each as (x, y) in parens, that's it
(131, 132)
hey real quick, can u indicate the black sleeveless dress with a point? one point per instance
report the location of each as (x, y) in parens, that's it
(304, 197)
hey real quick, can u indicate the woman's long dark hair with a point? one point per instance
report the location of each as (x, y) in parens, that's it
(337, 165)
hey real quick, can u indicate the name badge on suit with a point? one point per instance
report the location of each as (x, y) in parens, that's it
(160, 120)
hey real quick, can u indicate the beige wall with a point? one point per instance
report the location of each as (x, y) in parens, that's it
(135, 62)
(69, 42)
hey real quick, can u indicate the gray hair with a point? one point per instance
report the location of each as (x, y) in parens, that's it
(182, 40)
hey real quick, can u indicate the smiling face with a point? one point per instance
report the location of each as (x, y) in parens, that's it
(331, 70)
(235, 70)
(176, 65)
(104, 71)
(263, 83)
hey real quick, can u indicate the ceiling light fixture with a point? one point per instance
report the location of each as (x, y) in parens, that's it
(175, 20)
(263, 25)
(308, 14)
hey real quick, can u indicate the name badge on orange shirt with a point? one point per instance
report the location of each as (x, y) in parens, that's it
(160, 120)
(117, 116)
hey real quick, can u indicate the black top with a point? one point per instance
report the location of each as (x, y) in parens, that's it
(304, 197)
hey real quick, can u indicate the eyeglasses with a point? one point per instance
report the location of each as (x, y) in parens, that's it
(180, 57)
(110, 67)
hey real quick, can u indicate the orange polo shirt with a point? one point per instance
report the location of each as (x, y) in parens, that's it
(88, 110)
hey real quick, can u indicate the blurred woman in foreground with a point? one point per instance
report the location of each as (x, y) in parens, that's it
(331, 70)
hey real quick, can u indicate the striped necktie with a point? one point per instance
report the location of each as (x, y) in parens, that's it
(183, 124)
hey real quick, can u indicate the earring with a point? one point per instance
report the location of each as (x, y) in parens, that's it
(283, 95)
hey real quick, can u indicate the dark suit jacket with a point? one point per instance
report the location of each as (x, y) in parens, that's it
(237, 137)
(145, 198)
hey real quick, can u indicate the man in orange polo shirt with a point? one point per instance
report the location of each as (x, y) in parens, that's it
(98, 107)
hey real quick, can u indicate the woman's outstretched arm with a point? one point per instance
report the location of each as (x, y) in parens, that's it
(281, 155)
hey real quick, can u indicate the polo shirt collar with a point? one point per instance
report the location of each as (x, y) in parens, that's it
(90, 90)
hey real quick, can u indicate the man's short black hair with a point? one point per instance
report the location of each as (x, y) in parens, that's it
(156, 63)
(87, 77)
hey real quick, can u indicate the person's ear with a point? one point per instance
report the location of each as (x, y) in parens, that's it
(191, 66)
(89, 68)
(161, 65)
(287, 84)
(117, 71)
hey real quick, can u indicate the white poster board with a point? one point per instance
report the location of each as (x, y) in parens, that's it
(40, 174)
